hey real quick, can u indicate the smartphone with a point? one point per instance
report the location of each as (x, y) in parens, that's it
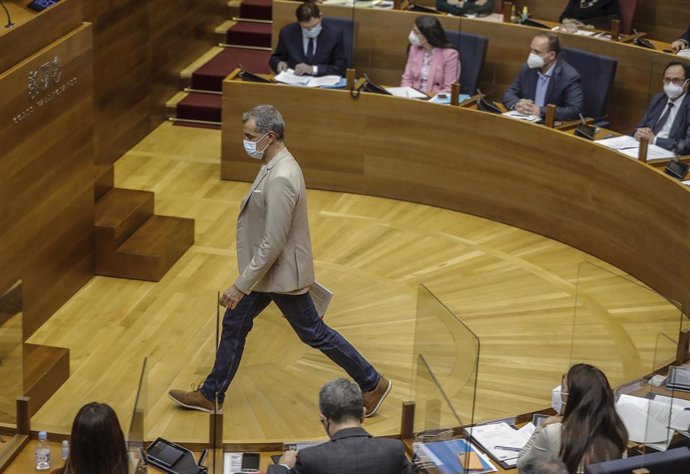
(250, 462)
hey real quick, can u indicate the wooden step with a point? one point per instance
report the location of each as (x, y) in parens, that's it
(104, 179)
(46, 368)
(119, 213)
(150, 252)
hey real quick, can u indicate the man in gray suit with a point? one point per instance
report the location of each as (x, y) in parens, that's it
(275, 263)
(351, 450)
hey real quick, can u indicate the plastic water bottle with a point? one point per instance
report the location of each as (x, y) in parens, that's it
(42, 452)
(65, 449)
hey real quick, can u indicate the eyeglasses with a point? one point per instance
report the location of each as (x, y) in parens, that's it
(676, 81)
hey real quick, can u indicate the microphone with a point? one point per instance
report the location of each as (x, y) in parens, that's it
(7, 13)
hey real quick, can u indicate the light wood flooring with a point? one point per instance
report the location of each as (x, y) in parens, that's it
(515, 290)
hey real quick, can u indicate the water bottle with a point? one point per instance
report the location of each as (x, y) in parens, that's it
(42, 452)
(65, 449)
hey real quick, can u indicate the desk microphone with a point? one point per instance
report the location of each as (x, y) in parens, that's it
(7, 12)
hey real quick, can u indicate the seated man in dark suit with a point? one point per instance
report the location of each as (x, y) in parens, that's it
(683, 42)
(667, 121)
(546, 79)
(351, 449)
(309, 46)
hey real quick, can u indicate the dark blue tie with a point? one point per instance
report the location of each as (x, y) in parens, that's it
(310, 51)
(662, 120)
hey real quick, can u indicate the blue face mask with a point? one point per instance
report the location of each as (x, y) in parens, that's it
(314, 32)
(250, 148)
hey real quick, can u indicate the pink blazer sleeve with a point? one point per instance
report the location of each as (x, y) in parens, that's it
(410, 77)
(451, 69)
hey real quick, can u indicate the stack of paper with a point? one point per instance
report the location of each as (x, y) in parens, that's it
(407, 92)
(502, 441)
(652, 422)
(446, 455)
(289, 77)
(631, 147)
(514, 114)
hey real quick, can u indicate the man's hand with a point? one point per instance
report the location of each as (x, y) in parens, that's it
(231, 297)
(677, 45)
(289, 458)
(481, 3)
(302, 69)
(645, 132)
(527, 107)
(456, 3)
(282, 66)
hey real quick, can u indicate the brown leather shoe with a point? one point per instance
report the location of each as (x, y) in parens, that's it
(374, 398)
(194, 400)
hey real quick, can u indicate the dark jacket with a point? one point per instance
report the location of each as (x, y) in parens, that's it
(470, 7)
(351, 451)
(329, 56)
(686, 37)
(680, 130)
(600, 9)
(564, 91)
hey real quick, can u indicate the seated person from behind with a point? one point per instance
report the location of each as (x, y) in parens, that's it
(309, 46)
(683, 42)
(98, 445)
(667, 121)
(583, 10)
(546, 79)
(589, 430)
(465, 7)
(432, 62)
(350, 449)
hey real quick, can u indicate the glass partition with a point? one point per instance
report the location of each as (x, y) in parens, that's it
(617, 322)
(11, 353)
(449, 352)
(136, 439)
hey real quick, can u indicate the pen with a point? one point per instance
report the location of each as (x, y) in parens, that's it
(508, 448)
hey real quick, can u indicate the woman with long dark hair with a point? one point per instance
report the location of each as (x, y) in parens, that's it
(98, 445)
(432, 62)
(589, 430)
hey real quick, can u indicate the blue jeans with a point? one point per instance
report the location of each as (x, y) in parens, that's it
(302, 316)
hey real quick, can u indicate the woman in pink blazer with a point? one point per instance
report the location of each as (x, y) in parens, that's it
(432, 62)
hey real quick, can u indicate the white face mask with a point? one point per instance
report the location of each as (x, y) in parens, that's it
(250, 148)
(672, 90)
(413, 38)
(557, 400)
(535, 61)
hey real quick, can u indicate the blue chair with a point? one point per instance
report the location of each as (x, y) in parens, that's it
(673, 461)
(597, 74)
(348, 28)
(472, 50)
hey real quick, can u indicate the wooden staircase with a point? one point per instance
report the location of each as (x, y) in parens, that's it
(131, 241)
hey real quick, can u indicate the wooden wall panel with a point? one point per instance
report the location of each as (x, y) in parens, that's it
(382, 55)
(46, 176)
(139, 50)
(549, 182)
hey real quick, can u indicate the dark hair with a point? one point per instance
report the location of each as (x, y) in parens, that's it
(554, 42)
(686, 68)
(544, 464)
(341, 400)
(307, 11)
(98, 445)
(266, 119)
(432, 30)
(592, 430)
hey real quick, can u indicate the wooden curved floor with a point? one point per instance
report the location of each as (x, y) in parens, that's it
(514, 289)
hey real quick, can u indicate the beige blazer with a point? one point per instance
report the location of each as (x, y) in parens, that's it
(273, 243)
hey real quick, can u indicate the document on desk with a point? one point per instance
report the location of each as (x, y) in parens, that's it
(289, 77)
(631, 147)
(232, 462)
(514, 114)
(652, 422)
(407, 92)
(446, 456)
(321, 296)
(501, 441)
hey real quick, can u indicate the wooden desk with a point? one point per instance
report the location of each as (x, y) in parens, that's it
(382, 54)
(545, 181)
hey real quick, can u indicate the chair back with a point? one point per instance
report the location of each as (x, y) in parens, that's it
(472, 50)
(348, 27)
(597, 74)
